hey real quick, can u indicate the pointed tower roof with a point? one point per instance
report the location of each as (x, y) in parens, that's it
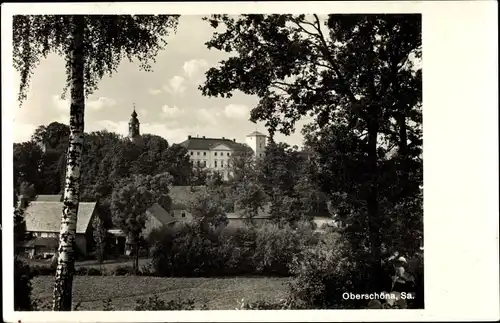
(134, 114)
(256, 133)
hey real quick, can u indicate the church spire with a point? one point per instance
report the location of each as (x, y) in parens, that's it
(133, 125)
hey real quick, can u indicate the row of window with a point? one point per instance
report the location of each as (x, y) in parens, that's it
(205, 153)
(204, 163)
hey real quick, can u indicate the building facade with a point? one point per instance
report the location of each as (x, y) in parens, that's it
(212, 153)
(257, 141)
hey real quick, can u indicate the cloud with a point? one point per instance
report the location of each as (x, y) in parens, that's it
(237, 111)
(22, 132)
(154, 91)
(59, 103)
(160, 129)
(171, 112)
(96, 105)
(143, 112)
(100, 103)
(64, 119)
(120, 127)
(205, 117)
(175, 85)
(193, 67)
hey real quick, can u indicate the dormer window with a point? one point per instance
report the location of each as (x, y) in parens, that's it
(215, 154)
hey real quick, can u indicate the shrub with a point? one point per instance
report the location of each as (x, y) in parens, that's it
(107, 305)
(154, 303)
(322, 275)
(276, 248)
(282, 304)
(190, 251)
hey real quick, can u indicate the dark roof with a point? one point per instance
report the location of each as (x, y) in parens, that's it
(196, 143)
(46, 216)
(256, 133)
(48, 198)
(42, 242)
(160, 214)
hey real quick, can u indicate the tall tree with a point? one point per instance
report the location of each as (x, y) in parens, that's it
(93, 46)
(353, 75)
(131, 199)
(176, 161)
(208, 211)
(99, 234)
(28, 162)
(242, 165)
(53, 136)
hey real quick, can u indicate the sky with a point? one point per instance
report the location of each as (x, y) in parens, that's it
(167, 100)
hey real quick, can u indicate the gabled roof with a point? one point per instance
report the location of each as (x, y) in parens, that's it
(48, 198)
(195, 143)
(42, 242)
(160, 214)
(256, 133)
(46, 216)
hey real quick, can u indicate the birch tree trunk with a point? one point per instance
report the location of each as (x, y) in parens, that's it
(66, 259)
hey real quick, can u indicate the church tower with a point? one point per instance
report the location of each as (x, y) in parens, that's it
(133, 128)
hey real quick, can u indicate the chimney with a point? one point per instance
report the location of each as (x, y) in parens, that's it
(223, 138)
(234, 139)
(203, 137)
(189, 137)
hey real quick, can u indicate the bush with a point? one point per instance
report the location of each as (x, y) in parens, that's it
(324, 274)
(189, 251)
(107, 305)
(276, 248)
(154, 303)
(265, 305)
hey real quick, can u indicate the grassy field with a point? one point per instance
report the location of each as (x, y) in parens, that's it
(217, 293)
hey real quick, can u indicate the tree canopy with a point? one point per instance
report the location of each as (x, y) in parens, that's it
(107, 40)
(355, 76)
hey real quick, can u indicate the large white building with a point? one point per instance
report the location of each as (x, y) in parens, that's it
(215, 153)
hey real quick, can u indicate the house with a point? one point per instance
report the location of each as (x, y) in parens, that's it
(43, 220)
(41, 247)
(212, 153)
(156, 217)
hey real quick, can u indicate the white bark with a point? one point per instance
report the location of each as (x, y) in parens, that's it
(66, 251)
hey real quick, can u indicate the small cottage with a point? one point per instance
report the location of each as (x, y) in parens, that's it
(43, 221)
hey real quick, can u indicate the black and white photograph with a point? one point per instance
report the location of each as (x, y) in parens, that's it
(222, 161)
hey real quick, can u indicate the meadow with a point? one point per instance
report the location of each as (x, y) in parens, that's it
(216, 293)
